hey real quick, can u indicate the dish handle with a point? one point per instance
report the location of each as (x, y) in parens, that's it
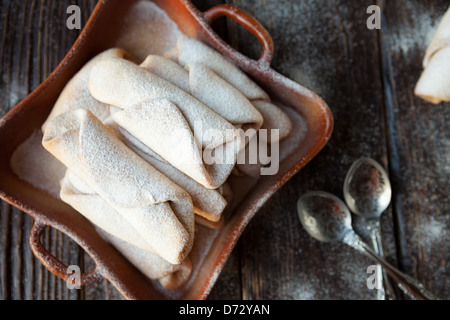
(249, 23)
(53, 264)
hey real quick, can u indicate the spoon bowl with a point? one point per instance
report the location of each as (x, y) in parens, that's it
(367, 190)
(324, 216)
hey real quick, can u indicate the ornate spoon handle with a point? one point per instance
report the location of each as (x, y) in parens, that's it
(407, 284)
(377, 245)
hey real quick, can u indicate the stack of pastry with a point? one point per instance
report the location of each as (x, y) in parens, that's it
(136, 141)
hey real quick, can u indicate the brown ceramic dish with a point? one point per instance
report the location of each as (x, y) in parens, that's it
(99, 34)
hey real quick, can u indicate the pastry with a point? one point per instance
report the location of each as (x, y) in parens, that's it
(208, 203)
(282, 149)
(171, 122)
(90, 204)
(147, 28)
(189, 51)
(434, 83)
(170, 276)
(209, 88)
(112, 226)
(159, 210)
(274, 119)
(76, 93)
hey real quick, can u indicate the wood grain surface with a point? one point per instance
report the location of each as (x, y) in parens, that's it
(366, 76)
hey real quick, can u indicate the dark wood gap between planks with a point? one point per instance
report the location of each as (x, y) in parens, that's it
(390, 162)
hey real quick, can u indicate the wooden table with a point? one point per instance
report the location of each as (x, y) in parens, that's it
(366, 76)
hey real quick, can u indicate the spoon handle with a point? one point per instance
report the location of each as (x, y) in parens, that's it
(382, 292)
(377, 245)
(407, 284)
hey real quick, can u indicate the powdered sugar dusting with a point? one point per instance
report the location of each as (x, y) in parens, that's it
(147, 30)
(207, 203)
(189, 50)
(406, 38)
(435, 229)
(35, 165)
(151, 265)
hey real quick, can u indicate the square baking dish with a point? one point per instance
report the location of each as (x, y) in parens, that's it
(99, 34)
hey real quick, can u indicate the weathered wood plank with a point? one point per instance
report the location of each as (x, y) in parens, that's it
(418, 144)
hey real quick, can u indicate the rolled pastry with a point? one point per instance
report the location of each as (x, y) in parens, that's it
(171, 122)
(92, 206)
(434, 83)
(170, 276)
(207, 203)
(147, 28)
(116, 230)
(190, 52)
(159, 210)
(205, 85)
(76, 93)
(274, 119)
(440, 40)
(35, 165)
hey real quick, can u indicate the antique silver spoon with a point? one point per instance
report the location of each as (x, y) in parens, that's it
(367, 192)
(326, 218)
